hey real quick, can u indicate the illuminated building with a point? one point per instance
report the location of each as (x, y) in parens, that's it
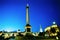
(28, 26)
(53, 29)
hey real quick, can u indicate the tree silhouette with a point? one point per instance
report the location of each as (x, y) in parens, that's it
(41, 34)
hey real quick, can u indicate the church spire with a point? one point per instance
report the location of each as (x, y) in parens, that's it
(41, 29)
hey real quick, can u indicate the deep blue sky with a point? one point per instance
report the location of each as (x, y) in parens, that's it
(42, 12)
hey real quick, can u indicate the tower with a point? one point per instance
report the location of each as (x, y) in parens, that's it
(28, 26)
(41, 29)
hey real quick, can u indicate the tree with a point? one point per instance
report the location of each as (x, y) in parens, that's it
(41, 34)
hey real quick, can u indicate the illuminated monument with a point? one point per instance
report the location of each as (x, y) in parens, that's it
(28, 26)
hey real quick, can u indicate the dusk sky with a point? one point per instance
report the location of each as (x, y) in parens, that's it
(41, 12)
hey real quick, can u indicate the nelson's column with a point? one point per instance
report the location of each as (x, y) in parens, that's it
(28, 26)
